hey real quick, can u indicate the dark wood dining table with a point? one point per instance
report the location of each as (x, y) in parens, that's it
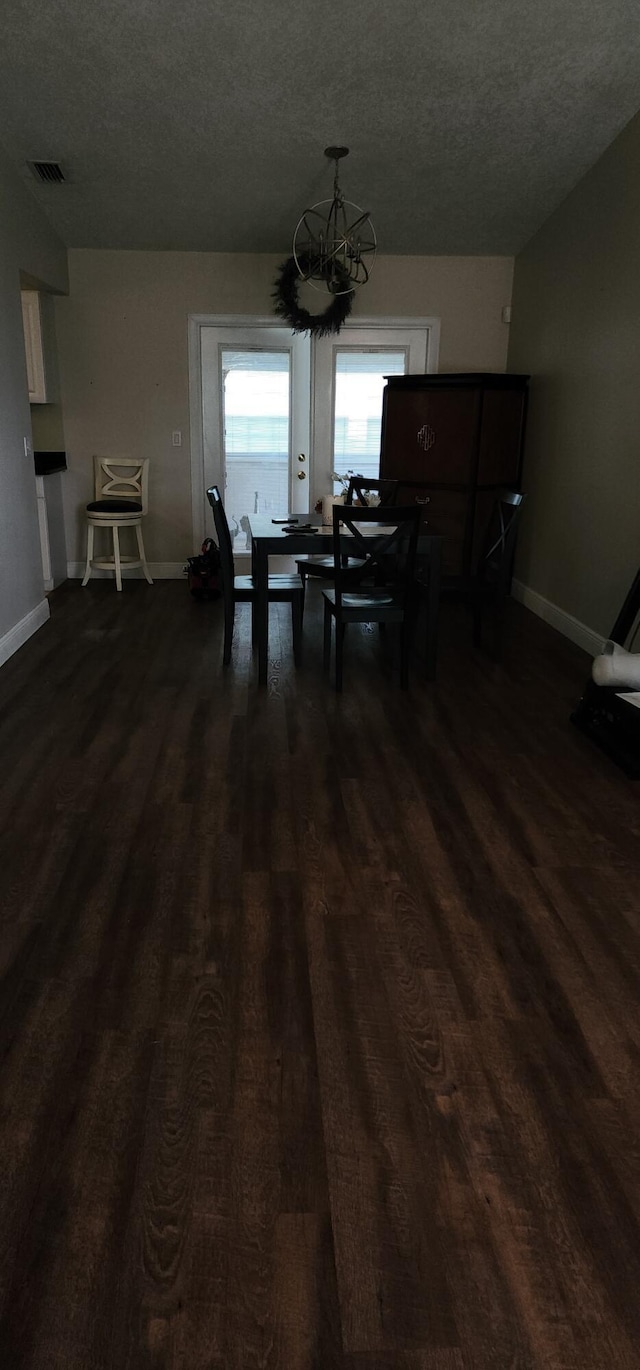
(269, 539)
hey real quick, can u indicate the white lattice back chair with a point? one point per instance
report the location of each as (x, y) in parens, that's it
(121, 498)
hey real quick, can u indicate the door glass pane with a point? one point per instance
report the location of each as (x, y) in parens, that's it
(256, 427)
(359, 383)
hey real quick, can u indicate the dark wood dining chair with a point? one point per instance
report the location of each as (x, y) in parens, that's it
(388, 562)
(488, 586)
(241, 590)
(360, 490)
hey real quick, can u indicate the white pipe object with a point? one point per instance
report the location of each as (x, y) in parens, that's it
(617, 667)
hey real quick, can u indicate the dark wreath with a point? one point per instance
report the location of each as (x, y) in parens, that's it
(287, 307)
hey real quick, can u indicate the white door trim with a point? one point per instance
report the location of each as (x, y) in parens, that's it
(197, 322)
(430, 323)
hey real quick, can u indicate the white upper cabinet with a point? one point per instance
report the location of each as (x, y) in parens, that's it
(39, 342)
(33, 346)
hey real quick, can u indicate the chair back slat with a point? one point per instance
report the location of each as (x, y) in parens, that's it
(496, 558)
(227, 570)
(361, 488)
(121, 478)
(390, 558)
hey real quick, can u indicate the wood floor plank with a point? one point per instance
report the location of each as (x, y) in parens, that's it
(66, 1263)
(391, 1289)
(308, 1333)
(319, 1033)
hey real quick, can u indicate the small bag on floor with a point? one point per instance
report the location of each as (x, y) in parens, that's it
(203, 572)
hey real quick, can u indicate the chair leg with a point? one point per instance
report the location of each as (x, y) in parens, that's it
(145, 568)
(326, 655)
(229, 618)
(340, 627)
(296, 627)
(405, 649)
(498, 625)
(87, 571)
(303, 578)
(116, 556)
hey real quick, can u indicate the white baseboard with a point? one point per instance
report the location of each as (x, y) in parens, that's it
(160, 570)
(565, 623)
(22, 631)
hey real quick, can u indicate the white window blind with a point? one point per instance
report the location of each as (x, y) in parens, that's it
(256, 397)
(359, 384)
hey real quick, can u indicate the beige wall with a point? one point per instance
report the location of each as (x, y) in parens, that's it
(576, 328)
(122, 346)
(28, 245)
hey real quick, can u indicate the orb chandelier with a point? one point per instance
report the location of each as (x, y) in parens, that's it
(334, 244)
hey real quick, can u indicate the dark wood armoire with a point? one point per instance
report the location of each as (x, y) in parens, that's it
(456, 439)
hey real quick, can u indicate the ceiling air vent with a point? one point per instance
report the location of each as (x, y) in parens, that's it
(48, 173)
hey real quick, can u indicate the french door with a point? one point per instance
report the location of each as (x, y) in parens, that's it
(256, 421)
(349, 378)
(275, 414)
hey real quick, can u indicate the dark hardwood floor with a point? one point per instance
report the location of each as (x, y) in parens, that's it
(319, 1015)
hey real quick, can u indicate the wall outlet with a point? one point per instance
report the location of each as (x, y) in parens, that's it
(506, 314)
(176, 438)
(27, 447)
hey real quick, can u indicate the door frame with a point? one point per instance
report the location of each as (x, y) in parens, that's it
(197, 322)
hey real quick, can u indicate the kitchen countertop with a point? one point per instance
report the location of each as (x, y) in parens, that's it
(46, 463)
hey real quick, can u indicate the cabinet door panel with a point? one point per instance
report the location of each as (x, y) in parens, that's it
(430, 434)
(446, 514)
(501, 437)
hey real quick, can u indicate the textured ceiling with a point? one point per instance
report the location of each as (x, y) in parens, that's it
(201, 125)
